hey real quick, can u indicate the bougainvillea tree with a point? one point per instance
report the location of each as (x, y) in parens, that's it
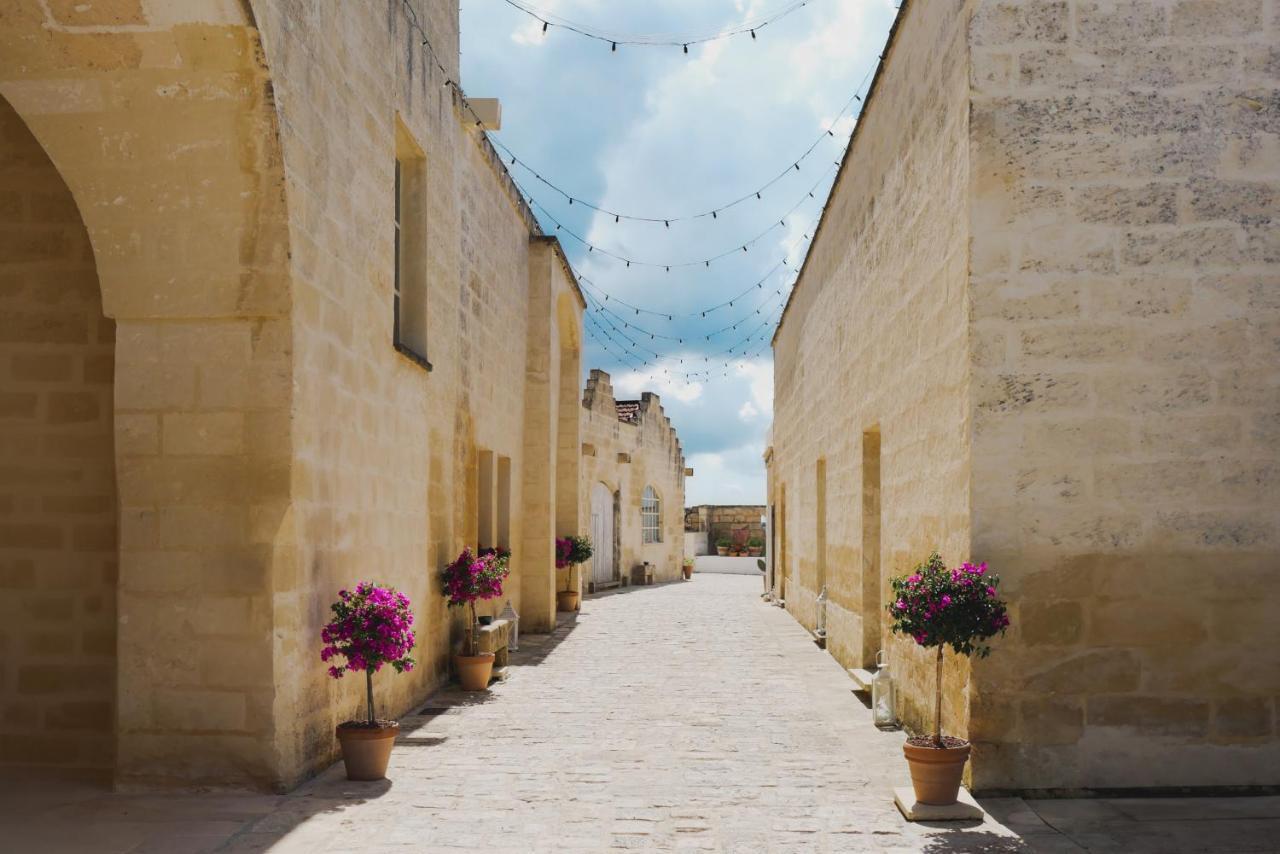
(940, 607)
(572, 550)
(371, 626)
(472, 577)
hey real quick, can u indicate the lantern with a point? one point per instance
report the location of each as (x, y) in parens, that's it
(509, 613)
(882, 709)
(821, 630)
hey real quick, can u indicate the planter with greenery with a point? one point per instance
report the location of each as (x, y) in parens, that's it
(939, 607)
(370, 627)
(755, 547)
(470, 578)
(722, 546)
(571, 551)
(687, 567)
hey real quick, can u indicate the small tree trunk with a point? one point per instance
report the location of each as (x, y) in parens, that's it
(368, 687)
(937, 705)
(471, 630)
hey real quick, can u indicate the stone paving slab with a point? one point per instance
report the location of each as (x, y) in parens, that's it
(683, 717)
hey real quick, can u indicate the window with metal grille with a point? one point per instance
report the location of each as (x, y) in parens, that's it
(650, 516)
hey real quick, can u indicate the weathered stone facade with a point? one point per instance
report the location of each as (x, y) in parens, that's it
(737, 523)
(213, 186)
(1037, 327)
(626, 447)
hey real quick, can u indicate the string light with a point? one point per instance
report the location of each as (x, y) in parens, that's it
(549, 19)
(667, 265)
(756, 194)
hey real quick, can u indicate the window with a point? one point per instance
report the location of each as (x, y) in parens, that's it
(650, 517)
(409, 275)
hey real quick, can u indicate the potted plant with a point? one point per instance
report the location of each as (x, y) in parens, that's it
(570, 551)
(722, 546)
(468, 579)
(688, 568)
(755, 547)
(370, 628)
(941, 607)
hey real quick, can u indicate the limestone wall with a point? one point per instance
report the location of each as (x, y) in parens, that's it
(874, 342)
(1125, 188)
(57, 472)
(737, 523)
(389, 456)
(627, 456)
(1046, 280)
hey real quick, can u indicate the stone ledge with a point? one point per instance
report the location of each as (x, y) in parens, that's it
(861, 679)
(964, 809)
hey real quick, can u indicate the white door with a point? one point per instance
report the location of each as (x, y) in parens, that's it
(602, 569)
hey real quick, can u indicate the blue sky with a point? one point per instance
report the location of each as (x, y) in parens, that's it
(653, 132)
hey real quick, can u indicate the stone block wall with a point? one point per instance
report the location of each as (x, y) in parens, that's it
(874, 343)
(57, 473)
(627, 456)
(1125, 312)
(1044, 287)
(737, 523)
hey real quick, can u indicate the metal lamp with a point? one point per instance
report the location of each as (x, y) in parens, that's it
(509, 613)
(883, 713)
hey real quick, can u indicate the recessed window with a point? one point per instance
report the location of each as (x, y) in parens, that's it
(650, 516)
(409, 298)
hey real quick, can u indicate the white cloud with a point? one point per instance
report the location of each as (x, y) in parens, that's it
(650, 131)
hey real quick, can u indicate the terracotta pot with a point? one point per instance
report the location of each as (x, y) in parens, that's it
(367, 750)
(567, 600)
(755, 552)
(723, 551)
(474, 671)
(688, 572)
(936, 771)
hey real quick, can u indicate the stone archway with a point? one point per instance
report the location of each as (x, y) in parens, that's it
(57, 473)
(160, 119)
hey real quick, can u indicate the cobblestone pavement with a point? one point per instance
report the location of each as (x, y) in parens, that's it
(686, 717)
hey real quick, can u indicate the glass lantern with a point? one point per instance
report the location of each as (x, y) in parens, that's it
(882, 694)
(509, 613)
(821, 628)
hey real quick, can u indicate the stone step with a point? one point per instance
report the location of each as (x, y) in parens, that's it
(861, 678)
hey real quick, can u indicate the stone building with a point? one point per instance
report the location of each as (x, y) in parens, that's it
(273, 320)
(632, 487)
(1037, 327)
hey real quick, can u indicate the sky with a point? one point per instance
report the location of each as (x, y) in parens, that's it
(650, 131)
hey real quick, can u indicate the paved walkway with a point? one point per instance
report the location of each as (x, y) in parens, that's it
(687, 717)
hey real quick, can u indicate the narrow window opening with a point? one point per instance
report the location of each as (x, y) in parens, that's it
(650, 516)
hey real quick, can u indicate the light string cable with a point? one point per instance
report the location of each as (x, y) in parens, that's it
(713, 213)
(549, 19)
(744, 246)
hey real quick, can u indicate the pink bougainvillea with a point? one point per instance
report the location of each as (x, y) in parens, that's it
(937, 606)
(472, 577)
(371, 626)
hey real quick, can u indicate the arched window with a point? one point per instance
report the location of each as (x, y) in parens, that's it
(650, 517)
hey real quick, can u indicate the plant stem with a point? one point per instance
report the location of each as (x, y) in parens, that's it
(471, 630)
(368, 687)
(937, 706)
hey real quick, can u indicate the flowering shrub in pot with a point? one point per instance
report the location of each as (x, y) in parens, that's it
(571, 551)
(939, 607)
(371, 627)
(470, 578)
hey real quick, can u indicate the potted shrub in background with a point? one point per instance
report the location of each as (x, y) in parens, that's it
(467, 580)
(571, 551)
(722, 546)
(370, 627)
(941, 607)
(755, 547)
(688, 568)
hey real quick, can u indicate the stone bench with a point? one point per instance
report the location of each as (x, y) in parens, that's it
(494, 638)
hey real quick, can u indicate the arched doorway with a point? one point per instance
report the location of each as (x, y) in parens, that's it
(604, 569)
(58, 557)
